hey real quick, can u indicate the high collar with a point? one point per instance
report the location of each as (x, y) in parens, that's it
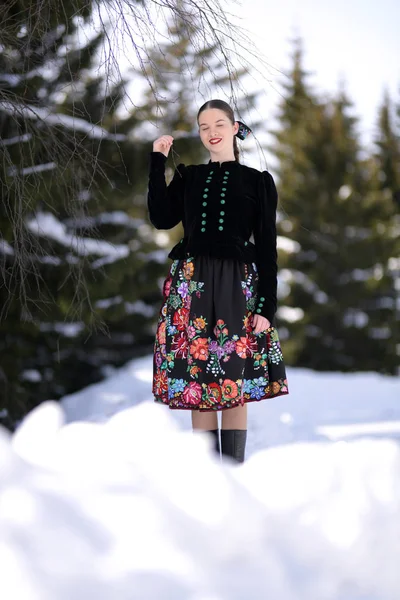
(215, 163)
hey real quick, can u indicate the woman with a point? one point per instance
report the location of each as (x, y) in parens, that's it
(216, 347)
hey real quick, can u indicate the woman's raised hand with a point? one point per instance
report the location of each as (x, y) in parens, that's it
(163, 144)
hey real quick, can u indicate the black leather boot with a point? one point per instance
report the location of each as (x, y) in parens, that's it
(233, 443)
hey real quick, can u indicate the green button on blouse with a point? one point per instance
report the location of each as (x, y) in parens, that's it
(222, 201)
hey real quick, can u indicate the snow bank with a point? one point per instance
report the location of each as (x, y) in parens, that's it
(136, 508)
(319, 407)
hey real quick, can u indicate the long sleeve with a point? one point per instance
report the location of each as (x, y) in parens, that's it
(165, 203)
(266, 247)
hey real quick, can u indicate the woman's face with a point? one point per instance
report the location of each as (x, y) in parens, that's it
(216, 130)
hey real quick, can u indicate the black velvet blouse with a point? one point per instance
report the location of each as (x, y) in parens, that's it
(220, 206)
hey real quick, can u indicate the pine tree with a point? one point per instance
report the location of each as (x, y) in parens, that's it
(388, 146)
(73, 254)
(385, 173)
(338, 277)
(298, 120)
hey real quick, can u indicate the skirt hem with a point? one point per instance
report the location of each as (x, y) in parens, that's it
(221, 408)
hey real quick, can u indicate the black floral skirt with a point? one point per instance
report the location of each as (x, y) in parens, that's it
(206, 356)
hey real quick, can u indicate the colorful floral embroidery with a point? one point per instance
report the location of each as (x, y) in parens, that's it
(182, 336)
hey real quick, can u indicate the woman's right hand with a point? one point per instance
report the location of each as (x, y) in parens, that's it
(163, 144)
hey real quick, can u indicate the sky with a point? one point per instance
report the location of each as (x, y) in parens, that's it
(354, 41)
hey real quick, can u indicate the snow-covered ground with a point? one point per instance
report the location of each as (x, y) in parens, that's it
(319, 407)
(110, 496)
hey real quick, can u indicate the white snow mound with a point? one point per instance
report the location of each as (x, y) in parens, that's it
(135, 508)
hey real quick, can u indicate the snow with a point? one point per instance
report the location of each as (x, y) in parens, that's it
(287, 245)
(290, 313)
(10, 78)
(48, 260)
(130, 308)
(5, 248)
(109, 495)
(117, 217)
(155, 255)
(84, 195)
(380, 333)
(344, 192)
(31, 375)
(74, 123)
(139, 307)
(13, 171)
(111, 258)
(17, 139)
(354, 317)
(66, 329)
(47, 225)
(105, 303)
(394, 263)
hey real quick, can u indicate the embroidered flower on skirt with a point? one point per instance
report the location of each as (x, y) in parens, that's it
(206, 355)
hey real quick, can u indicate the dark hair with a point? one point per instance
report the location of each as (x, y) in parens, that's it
(224, 106)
